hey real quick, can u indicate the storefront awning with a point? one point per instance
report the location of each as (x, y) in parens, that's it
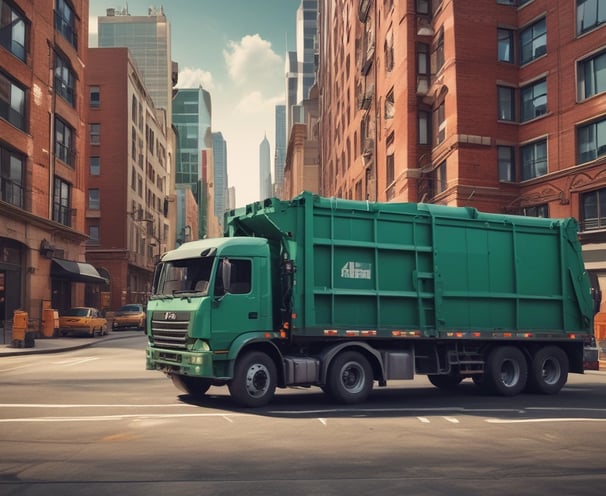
(75, 271)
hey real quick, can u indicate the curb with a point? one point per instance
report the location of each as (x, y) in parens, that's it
(60, 349)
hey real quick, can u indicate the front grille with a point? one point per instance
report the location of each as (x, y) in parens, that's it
(169, 329)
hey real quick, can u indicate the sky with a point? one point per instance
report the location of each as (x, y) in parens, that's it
(234, 49)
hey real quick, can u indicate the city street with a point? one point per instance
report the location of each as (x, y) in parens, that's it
(94, 421)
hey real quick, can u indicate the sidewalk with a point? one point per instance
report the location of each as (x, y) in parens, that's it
(57, 345)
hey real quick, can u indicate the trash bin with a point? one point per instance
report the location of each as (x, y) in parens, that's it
(21, 337)
(50, 322)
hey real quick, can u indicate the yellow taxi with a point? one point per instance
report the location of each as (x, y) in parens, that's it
(82, 320)
(131, 316)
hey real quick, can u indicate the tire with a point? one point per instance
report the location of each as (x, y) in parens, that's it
(548, 371)
(446, 381)
(254, 381)
(349, 378)
(194, 386)
(506, 371)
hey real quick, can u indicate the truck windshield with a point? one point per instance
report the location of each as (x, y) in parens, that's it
(184, 277)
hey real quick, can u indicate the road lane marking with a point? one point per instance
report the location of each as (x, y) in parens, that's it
(540, 420)
(72, 362)
(323, 422)
(452, 420)
(424, 420)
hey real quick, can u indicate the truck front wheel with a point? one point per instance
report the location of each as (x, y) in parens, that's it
(194, 386)
(548, 371)
(506, 371)
(349, 378)
(254, 381)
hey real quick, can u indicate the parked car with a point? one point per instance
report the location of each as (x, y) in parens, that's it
(82, 320)
(131, 316)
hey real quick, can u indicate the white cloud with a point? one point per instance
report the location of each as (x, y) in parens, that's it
(252, 61)
(193, 78)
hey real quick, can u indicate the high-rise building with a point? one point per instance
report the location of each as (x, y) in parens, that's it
(128, 179)
(148, 39)
(43, 132)
(192, 118)
(280, 154)
(265, 189)
(496, 104)
(300, 65)
(220, 183)
(306, 31)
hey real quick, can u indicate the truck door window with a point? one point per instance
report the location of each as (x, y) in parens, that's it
(240, 280)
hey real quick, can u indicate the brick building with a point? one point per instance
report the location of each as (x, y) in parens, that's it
(495, 104)
(129, 166)
(43, 55)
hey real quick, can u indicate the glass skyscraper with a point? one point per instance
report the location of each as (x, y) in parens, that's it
(148, 39)
(192, 115)
(220, 178)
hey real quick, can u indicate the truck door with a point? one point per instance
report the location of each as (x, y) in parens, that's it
(236, 304)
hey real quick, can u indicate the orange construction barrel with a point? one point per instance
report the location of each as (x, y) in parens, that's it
(50, 322)
(19, 325)
(599, 326)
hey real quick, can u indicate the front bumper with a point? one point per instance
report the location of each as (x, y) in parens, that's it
(195, 364)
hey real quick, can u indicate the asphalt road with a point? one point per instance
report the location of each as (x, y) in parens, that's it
(93, 421)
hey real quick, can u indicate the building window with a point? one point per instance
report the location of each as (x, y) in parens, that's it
(440, 183)
(62, 212)
(94, 199)
(95, 133)
(591, 141)
(533, 100)
(506, 110)
(439, 124)
(390, 172)
(423, 7)
(591, 75)
(534, 159)
(536, 211)
(505, 44)
(64, 142)
(12, 166)
(12, 103)
(438, 52)
(14, 31)
(65, 80)
(389, 59)
(93, 234)
(512, 2)
(533, 41)
(65, 21)
(95, 166)
(389, 105)
(424, 126)
(506, 163)
(94, 99)
(593, 204)
(590, 14)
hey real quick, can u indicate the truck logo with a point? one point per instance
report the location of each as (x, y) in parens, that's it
(356, 270)
(170, 316)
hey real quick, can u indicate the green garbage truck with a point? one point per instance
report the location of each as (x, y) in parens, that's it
(345, 295)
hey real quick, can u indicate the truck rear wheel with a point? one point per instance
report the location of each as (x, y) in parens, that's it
(254, 381)
(548, 371)
(506, 371)
(194, 386)
(349, 378)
